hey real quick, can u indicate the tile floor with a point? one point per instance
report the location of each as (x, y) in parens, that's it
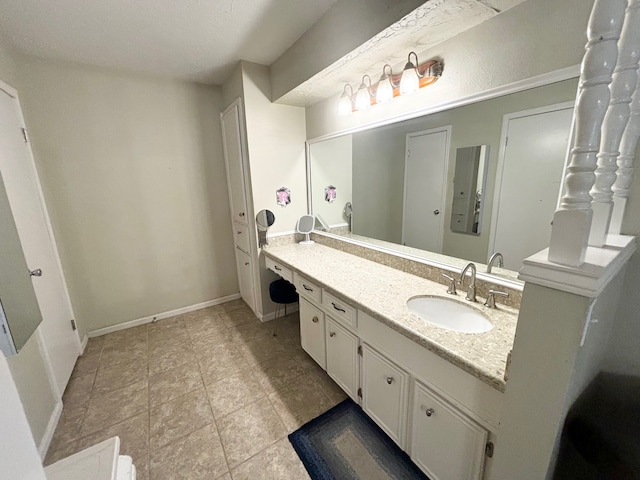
(209, 394)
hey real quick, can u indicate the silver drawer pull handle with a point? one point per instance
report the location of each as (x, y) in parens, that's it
(307, 288)
(332, 334)
(239, 232)
(315, 320)
(429, 412)
(338, 308)
(277, 267)
(246, 263)
(389, 380)
(36, 273)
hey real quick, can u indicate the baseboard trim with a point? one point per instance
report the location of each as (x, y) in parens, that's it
(83, 344)
(51, 428)
(271, 316)
(160, 316)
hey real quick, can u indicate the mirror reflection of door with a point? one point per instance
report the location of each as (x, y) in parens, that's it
(534, 149)
(425, 178)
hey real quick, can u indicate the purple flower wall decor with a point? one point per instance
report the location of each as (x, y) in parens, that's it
(283, 196)
(330, 193)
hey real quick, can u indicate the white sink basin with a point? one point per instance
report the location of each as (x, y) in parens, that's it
(450, 314)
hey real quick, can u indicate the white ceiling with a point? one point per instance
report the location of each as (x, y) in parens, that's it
(199, 40)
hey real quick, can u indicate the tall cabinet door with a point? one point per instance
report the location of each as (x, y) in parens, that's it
(242, 226)
(245, 276)
(232, 139)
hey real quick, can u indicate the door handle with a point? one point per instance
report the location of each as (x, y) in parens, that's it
(436, 212)
(36, 273)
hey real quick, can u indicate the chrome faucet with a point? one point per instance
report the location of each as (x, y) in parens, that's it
(471, 292)
(500, 261)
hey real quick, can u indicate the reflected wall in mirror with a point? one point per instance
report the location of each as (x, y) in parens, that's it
(522, 140)
(19, 310)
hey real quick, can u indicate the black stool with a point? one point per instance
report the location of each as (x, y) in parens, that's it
(281, 293)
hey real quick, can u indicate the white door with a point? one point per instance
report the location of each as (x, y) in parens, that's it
(384, 393)
(245, 277)
(32, 222)
(342, 357)
(446, 444)
(425, 178)
(531, 162)
(312, 332)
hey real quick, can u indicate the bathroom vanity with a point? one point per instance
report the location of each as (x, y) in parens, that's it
(437, 393)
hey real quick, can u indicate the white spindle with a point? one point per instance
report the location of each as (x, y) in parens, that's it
(623, 84)
(625, 164)
(572, 221)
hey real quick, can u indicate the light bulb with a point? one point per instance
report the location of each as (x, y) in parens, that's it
(363, 97)
(410, 80)
(384, 92)
(345, 106)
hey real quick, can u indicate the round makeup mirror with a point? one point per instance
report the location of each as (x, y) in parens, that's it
(264, 219)
(305, 226)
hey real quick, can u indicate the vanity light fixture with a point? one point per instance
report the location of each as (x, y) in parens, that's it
(410, 80)
(363, 97)
(384, 92)
(413, 77)
(345, 107)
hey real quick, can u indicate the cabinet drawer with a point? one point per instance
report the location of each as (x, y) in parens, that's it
(241, 235)
(341, 311)
(284, 272)
(445, 444)
(342, 357)
(385, 393)
(312, 336)
(307, 289)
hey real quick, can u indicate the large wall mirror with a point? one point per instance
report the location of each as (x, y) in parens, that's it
(453, 186)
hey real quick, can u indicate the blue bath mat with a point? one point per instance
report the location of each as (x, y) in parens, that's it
(344, 444)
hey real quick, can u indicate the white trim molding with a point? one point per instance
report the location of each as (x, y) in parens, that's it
(589, 279)
(43, 448)
(161, 316)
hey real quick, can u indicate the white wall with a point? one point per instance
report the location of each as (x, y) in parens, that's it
(275, 137)
(276, 150)
(29, 372)
(535, 37)
(331, 165)
(18, 455)
(28, 368)
(133, 175)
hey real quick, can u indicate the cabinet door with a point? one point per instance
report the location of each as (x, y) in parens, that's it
(384, 393)
(446, 444)
(245, 277)
(312, 332)
(233, 155)
(342, 357)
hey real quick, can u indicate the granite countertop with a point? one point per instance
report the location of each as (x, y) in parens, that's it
(382, 292)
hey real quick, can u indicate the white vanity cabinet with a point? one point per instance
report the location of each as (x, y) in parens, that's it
(312, 332)
(342, 357)
(385, 393)
(446, 444)
(439, 414)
